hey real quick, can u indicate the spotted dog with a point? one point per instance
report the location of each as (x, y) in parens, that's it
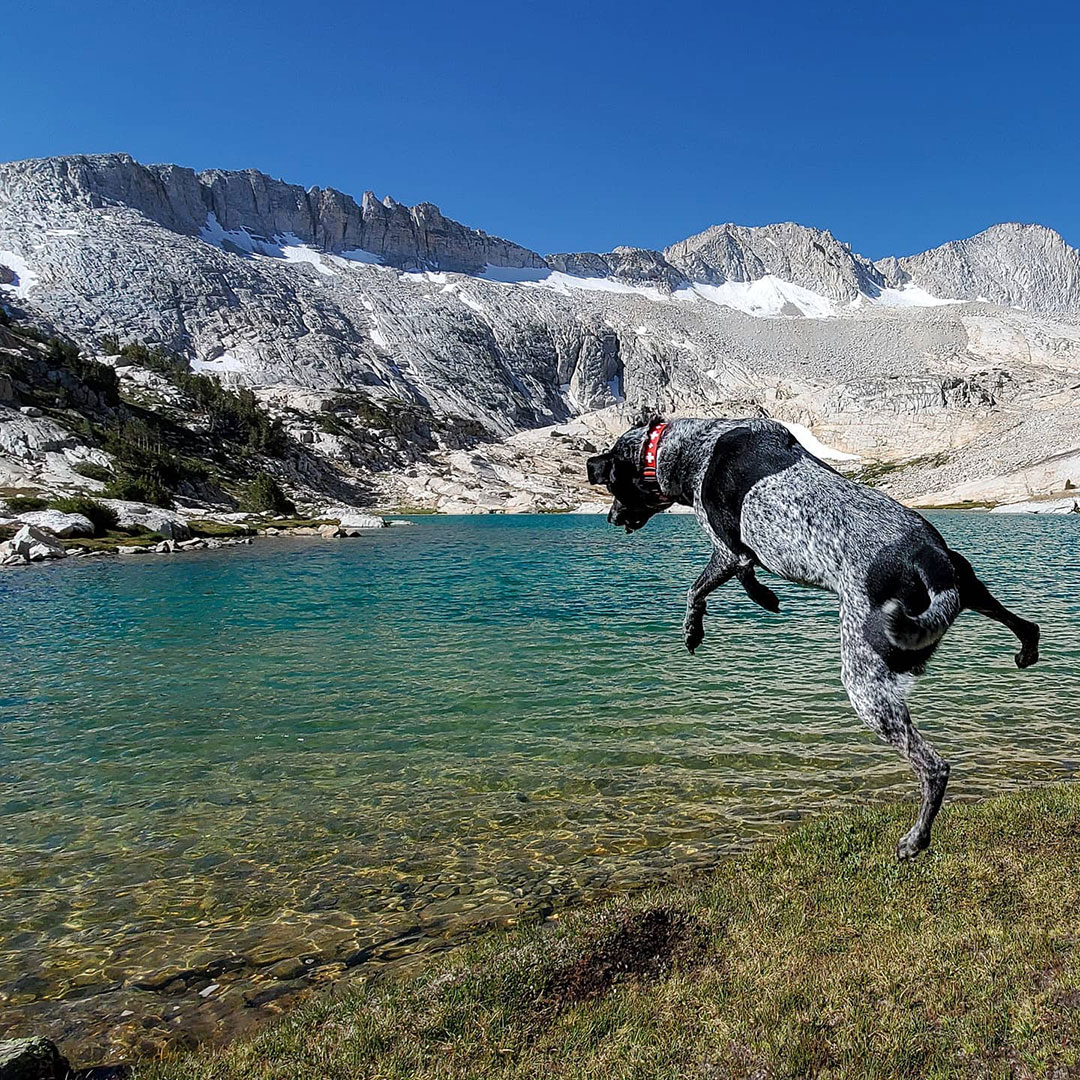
(764, 500)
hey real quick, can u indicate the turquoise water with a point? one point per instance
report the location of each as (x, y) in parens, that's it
(273, 764)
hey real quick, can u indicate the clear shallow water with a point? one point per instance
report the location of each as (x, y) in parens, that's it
(248, 769)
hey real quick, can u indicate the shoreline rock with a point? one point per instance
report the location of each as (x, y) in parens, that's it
(1068, 505)
(32, 1059)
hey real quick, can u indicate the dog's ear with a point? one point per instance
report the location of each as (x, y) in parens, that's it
(601, 468)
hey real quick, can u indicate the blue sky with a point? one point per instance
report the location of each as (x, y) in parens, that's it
(579, 126)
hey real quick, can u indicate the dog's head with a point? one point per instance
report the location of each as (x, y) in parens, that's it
(633, 499)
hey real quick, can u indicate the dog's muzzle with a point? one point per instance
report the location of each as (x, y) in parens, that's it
(625, 518)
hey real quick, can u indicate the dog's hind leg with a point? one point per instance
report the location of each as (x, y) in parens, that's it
(878, 697)
(722, 566)
(762, 595)
(976, 596)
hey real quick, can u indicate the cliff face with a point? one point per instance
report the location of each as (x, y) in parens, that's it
(306, 292)
(181, 200)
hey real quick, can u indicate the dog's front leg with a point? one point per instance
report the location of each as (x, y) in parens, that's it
(721, 567)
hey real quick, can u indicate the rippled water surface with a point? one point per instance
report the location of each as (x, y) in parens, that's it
(245, 772)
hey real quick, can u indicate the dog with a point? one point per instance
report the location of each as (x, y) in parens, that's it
(765, 501)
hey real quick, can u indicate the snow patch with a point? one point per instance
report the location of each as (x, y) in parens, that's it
(419, 277)
(25, 278)
(286, 246)
(359, 255)
(216, 365)
(767, 298)
(293, 250)
(910, 296)
(816, 447)
(470, 302)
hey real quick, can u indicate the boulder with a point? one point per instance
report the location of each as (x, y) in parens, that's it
(9, 556)
(166, 547)
(1068, 505)
(31, 1059)
(138, 515)
(362, 521)
(34, 544)
(58, 523)
(132, 549)
(331, 531)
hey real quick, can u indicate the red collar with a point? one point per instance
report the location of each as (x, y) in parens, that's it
(652, 457)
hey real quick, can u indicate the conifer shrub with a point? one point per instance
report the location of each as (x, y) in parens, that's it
(102, 517)
(264, 493)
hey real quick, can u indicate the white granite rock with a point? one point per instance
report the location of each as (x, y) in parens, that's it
(168, 523)
(58, 523)
(34, 544)
(1068, 505)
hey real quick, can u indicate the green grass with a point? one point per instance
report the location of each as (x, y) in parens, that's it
(818, 955)
(219, 529)
(874, 472)
(113, 539)
(297, 523)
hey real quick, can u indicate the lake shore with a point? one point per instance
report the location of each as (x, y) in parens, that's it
(816, 954)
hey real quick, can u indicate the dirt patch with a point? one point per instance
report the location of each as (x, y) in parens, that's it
(644, 945)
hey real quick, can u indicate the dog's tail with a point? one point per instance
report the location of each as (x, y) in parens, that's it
(911, 631)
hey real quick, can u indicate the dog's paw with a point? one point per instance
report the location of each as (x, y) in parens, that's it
(1029, 650)
(910, 846)
(693, 634)
(1027, 656)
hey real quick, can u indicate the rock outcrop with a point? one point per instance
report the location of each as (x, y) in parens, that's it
(57, 522)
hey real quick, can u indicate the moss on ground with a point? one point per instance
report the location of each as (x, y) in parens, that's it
(113, 539)
(219, 529)
(815, 956)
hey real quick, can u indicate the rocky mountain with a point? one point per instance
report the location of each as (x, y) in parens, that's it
(810, 258)
(948, 374)
(1023, 266)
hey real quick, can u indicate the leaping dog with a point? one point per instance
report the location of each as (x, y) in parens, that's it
(766, 501)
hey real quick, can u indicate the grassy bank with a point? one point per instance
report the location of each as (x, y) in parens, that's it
(817, 955)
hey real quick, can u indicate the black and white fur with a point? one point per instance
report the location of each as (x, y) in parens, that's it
(766, 501)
